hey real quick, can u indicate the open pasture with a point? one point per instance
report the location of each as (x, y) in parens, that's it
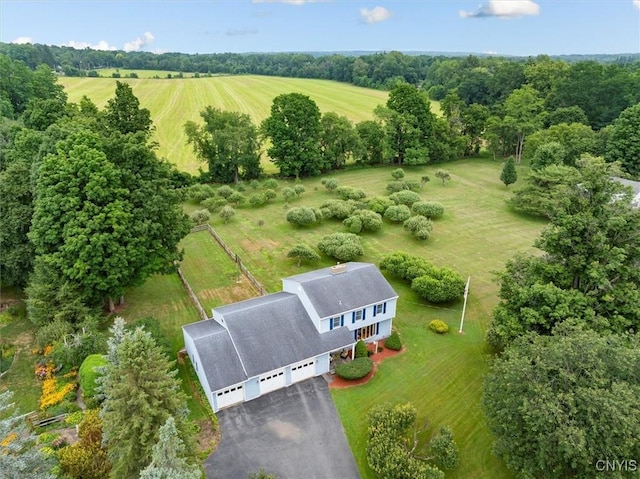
(441, 375)
(173, 102)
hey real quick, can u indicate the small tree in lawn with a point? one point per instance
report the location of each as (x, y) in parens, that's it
(19, 455)
(444, 449)
(331, 184)
(341, 246)
(424, 180)
(509, 174)
(303, 253)
(443, 175)
(288, 194)
(200, 217)
(397, 174)
(226, 213)
(301, 216)
(168, 457)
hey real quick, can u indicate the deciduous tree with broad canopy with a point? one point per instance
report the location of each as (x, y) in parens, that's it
(558, 404)
(228, 142)
(294, 130)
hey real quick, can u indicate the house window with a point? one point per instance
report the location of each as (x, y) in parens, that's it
(358, 315)
(378, 309)
(335, 322)
(367, 332)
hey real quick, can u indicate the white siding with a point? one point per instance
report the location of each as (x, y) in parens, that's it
(229, 397)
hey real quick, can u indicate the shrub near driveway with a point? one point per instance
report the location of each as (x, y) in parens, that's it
(356, 369)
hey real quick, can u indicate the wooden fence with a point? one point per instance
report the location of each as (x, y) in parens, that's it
(234, 257)
(192, 295)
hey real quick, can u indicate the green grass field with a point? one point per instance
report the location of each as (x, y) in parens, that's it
(213, 276)
(441, 375)
(174, 102)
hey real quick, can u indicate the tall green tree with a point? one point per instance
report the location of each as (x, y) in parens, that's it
(509, 175)
(294, 130)
(168, 459)
(410, 125)
(141, 392)
(338, 140)
(20, 456)
(371, 144)
(624, 140)
(575, 138)
(106, 223)
(523, 111)
(123, 112)
(558, 404)
(228, 143)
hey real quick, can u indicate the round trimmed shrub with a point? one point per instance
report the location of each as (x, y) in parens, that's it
(213, 204)
(224, 191)
(398, 213)
(341, 246)
(420, 226)
(270, 194)
(200, 216)
(356, 369)
(380, 204)
(363, 220)
(405, 197)
(88, 374)
(361, 349)
(288, 193)
(393, 342)
(438, 326)
(299, 189)
(397, 174)
(271, 184)
(350, 193)
(301, 216)
(257, 199)
(430, 209)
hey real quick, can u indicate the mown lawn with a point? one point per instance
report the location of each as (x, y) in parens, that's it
(441, 375)
(213, 276)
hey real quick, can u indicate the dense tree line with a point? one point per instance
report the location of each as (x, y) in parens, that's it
(563, 395)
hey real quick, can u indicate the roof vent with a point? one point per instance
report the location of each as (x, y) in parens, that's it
(339, 268)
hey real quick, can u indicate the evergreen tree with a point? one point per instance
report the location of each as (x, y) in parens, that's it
(168, 457)
(19, 456)
(141, 391)
(509, 174)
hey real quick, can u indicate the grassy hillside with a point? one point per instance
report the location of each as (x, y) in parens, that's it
(173, 102)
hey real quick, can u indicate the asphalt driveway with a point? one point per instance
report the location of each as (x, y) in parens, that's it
(294, 433)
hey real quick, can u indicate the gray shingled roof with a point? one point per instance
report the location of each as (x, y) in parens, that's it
(269, 332)
(218, 357)
(274, 331)
(360, 285)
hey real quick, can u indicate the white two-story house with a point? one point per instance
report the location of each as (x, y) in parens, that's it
(256, 346)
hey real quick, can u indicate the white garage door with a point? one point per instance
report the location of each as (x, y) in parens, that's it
(230, 396)
(303, 370)
(271, 382)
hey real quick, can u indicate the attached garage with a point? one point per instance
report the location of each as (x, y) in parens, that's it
(271, 382)
(230, 396)
(302, 371)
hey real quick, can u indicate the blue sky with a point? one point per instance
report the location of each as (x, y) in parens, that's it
(508, 27)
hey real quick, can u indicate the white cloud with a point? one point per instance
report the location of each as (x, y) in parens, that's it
(504, 9)
(636, 3)
(139, 43)
(23, 40)
(375, 15)
(101, 45)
